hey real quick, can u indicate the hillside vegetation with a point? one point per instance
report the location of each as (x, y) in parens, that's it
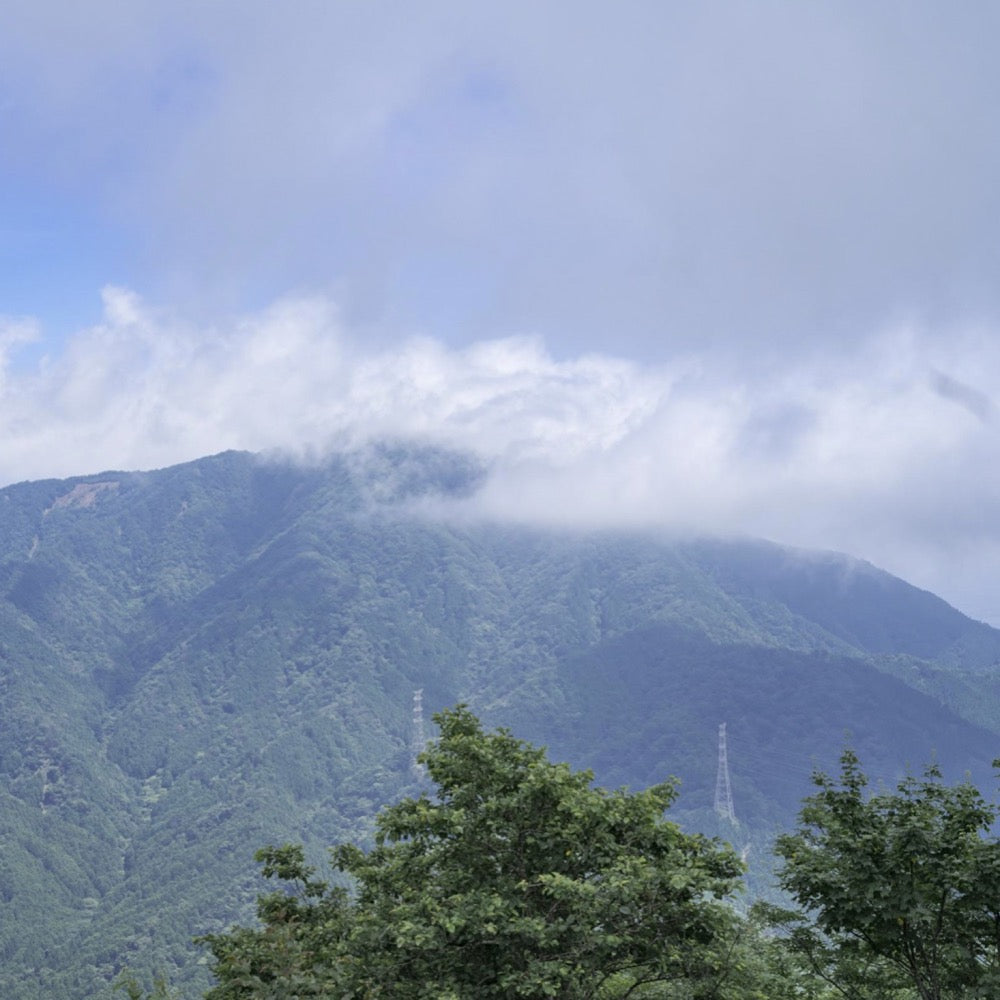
(202, 660)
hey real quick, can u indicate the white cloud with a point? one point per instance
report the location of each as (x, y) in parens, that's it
(143, 388)
(862, 453)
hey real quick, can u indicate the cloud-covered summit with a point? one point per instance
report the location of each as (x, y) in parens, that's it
(885, 454)
(718, 266)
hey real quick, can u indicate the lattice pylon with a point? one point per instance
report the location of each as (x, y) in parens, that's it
(419, 739)
(723, 790)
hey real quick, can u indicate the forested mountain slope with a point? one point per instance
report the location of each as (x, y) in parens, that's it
(201, 660)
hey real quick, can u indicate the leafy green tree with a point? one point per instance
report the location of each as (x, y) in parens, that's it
(901, 889)
(128, 984)
(520, 879)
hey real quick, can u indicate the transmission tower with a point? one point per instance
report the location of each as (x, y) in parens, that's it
(419, 739)
(723, 791)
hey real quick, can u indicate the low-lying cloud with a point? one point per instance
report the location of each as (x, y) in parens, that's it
(888, 454)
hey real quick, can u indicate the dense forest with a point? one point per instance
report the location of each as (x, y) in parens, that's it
(207, 659)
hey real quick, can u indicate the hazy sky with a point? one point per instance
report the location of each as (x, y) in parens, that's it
(706, 266)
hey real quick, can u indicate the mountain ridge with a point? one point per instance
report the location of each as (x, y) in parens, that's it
(206, 658)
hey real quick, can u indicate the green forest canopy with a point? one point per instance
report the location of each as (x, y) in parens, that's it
(522, 879)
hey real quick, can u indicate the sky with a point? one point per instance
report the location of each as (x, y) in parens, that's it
(697, 266)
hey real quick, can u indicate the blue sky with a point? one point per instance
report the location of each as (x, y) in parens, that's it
(713, 266)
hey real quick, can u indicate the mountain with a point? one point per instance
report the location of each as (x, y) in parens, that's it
(197, 661)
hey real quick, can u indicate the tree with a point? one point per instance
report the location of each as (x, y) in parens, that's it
(901, 888)
(520, 879)
(128, 984)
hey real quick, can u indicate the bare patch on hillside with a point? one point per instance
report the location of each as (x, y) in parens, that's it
(84, 494)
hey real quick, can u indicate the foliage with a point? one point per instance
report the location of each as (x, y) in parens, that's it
(520, 879)
(128, 984)
(902, 887)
